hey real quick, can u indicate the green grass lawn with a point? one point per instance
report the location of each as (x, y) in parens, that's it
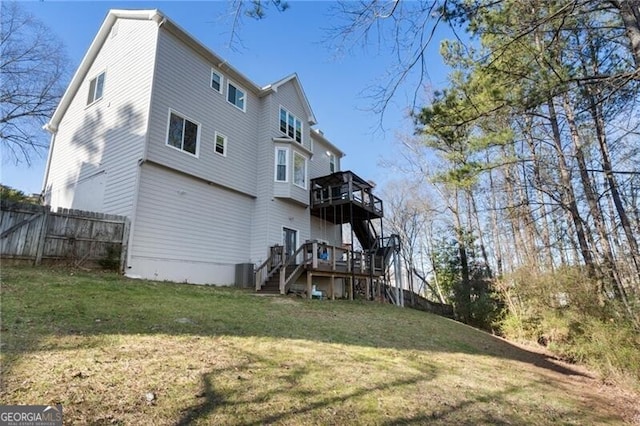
(118, 351)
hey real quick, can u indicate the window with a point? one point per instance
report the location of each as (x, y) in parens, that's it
(299, 170)
(216, 81)
(290, 125)
(332, 161)
(235, 96)
(96, 87)
(182, 134)
(282, 160)
(221, 144)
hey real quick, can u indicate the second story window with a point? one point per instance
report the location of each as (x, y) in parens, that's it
(96, 87)
(236, 96)
(332, 161)
(183, 133)
(299, 170)
(282, 160)
(216, 81)
(221, 144)
(290, 125)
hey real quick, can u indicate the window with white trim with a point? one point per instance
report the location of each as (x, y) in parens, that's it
(299, 170)
(96, 87)
(183, 134)
(332, 161)
(290, 125)
(236, 96)
(282, 164)
(221, 144)
(216, 81)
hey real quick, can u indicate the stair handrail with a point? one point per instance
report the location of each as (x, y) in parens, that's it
(269, 266)
(284, 280)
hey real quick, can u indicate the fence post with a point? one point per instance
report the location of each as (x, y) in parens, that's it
(125, 244)
(42, 236)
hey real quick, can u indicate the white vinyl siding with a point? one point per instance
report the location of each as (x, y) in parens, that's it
(181, 88)
(188, 225)
(325, 161)
(96, 150)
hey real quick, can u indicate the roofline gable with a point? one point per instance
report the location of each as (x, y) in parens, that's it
(163, 21)
(273, 87)
(89, 57)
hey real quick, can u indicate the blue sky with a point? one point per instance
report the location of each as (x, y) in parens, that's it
(283, 43)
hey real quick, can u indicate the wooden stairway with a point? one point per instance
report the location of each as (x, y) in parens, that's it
(272, 285)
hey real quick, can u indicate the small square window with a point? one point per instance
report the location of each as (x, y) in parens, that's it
(221, 144)
(236, 96)
(216, 81)
(96, 87)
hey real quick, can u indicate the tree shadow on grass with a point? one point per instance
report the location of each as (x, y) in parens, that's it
(135, 307)
(81, 314)
(478, 408)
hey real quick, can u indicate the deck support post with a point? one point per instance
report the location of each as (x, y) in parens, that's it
(351, 288)
(333, 287)
(368, 288)
(283, 272)
(309, 284)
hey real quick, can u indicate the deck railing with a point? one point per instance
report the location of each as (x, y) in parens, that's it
(316, 257)
(338, 194)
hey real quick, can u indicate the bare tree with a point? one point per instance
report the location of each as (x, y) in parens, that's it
(33, 67)
(254, 9)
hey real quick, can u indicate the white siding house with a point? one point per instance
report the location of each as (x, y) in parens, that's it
(211, 169)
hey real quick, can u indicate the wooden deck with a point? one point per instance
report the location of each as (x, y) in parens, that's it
(343, 197)
(317, 259)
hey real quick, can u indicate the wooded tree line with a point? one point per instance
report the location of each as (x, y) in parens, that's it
(531, 154)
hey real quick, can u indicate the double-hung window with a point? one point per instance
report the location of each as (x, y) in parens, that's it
(332, 162)
(299, 170)
(183, 134)
(221, 144)
(282, 163)
(236, 96)
(96, 87)
(290, 125)
(216, 81)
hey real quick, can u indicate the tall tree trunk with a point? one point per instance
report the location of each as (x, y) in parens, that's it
(630, 14)
(483, 250)
(611, 271)
(595, 109)
(569, 199)
(495, 231)
(464, 291)
(540, 199)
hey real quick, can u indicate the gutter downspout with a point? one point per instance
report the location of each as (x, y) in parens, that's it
(47, 168)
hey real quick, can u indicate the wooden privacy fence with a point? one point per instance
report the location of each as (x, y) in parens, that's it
(30, 232)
